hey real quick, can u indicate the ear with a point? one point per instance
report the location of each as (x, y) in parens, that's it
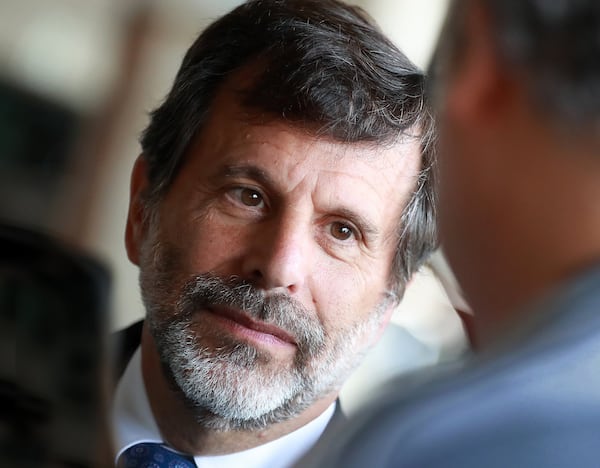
(479, 85)
(136, 228)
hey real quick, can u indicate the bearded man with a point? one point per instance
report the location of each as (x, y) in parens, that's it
(282, 200)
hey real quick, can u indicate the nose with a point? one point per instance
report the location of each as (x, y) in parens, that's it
(279, 256)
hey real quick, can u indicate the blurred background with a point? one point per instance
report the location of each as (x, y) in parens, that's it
(77, 80)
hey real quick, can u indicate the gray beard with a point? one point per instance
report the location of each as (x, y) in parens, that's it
(236, 386)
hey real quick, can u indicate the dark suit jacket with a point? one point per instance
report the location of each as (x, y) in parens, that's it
(124, 344)
(533, 403)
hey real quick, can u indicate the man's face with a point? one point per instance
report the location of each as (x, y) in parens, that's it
(265, 274)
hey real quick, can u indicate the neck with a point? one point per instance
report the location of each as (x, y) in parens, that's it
(179, 427)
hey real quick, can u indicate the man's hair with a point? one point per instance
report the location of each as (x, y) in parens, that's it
(554, 45)
(324, 67)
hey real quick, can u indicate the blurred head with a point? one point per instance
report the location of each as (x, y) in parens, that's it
(552, 47)
(282, 201)
(517, 92)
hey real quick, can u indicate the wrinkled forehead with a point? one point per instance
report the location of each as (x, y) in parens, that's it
(292, 159)
(234, 133)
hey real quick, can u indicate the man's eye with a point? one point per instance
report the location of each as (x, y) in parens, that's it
(341, 231)
(249, 197)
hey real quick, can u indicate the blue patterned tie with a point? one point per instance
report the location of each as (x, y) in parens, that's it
(153, 455)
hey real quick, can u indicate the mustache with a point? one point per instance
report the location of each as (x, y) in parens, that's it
(278, 309)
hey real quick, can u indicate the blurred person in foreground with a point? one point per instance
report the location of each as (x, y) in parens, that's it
(517, 90)
(282, 201)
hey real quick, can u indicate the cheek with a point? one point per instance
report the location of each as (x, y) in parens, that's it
(344, 296)
(207, 245)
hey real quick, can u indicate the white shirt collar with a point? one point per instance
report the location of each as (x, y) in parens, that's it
(133, 422)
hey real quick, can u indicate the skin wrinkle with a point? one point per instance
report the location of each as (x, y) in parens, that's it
(365, 223)
(369, 230)
(279, 149)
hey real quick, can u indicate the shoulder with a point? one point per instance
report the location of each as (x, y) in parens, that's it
(123, 344)
(531, 409)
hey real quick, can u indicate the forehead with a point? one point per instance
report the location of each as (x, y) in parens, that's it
(376, 179)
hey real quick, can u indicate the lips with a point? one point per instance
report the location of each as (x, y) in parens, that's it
(260, 327)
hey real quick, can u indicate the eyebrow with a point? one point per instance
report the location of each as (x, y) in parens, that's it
(248, 170)
(366, 226)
